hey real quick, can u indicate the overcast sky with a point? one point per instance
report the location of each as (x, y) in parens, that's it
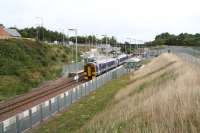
(140, 19)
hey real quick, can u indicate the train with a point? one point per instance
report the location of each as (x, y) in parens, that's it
(96, 68)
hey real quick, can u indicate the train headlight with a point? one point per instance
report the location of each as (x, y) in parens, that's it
(76, 77)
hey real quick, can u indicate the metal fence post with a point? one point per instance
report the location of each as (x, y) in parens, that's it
(58, 104)
(101, 80)
(50, 107)
(92, 85)
(1, 127)
(30, 118)
(85, 88)
(65, 100)
(76, 97)
(88, 86)
(41, 113)
(79, 91)
(81, 86)
(96, 82)
(71, 97)
(106, 77)
(17, 124)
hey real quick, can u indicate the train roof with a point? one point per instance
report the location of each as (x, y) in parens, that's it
(103, 61)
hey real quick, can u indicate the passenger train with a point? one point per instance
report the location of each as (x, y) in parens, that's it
(96, 68)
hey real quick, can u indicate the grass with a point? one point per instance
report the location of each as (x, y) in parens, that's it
(156, 81)
(165, 101)
(25, 64)
(163, 96)
(80, 113)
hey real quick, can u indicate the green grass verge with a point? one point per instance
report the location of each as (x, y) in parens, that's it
(81, 112)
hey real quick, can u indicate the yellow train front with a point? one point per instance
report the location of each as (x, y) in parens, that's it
(94, 69)
(90, 71)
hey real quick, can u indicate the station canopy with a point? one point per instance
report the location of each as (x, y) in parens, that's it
(133, 60)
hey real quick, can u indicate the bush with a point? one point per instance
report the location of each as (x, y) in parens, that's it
(30, 62)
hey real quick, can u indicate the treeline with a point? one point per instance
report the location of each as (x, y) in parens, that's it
(42, 34)
(183, 39)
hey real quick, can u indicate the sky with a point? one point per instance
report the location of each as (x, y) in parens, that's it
(137, 19)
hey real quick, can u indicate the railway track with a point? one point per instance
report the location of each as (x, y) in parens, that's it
(17, 104)
(35, 97)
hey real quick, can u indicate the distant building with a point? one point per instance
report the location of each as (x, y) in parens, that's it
(3, 33)
(8, 33)
(13, 33)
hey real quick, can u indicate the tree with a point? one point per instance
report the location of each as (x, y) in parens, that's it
(163, 36)
(183, 39)
(52, 36)
(38, 33)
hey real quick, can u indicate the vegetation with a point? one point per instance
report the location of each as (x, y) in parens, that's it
(24, 64)
(160, 97)
(42, 34)
(80, 113)
(183, 39)
(164, 101)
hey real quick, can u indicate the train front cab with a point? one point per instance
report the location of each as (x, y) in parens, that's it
(89, 71)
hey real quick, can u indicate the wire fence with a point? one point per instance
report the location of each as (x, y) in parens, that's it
(189, 58)
(25, 120)
(188, 54)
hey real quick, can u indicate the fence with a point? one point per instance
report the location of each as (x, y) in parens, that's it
(74, 67)
(189, 58)
(35, 115)
(188, 54)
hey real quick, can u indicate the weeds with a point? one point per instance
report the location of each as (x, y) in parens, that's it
(26, 64)
(165, 101)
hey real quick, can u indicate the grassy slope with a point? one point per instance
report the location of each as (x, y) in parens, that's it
(164, 101)
(24, 64)
(160, 97)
